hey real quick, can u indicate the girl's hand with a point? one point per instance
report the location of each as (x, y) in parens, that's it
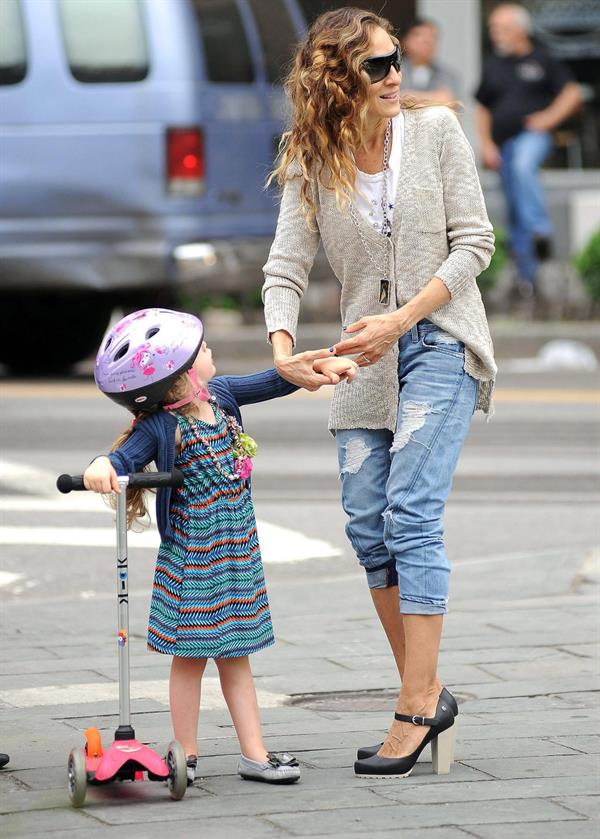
(298, 369)
(341, 368)
(378, 333)
(100, 476)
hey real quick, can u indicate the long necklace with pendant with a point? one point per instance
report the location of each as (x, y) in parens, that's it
(384, 282)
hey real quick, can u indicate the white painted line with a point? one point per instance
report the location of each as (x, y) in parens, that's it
(7, 579)
(158, 690)
(75, 502)
(24, 478)
(590, 569)
(278, 544)
(100, 537)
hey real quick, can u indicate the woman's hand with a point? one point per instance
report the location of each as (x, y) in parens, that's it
(341, 368)
(298, 369)
(378, 333)
(100, 476)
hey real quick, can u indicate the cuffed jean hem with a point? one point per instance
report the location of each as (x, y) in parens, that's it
(420, 607)
(384, 576)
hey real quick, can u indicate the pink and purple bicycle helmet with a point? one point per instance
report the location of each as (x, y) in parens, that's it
(143, 354)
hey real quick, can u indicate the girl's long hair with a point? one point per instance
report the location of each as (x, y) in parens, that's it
(330, 96)
(137, 507)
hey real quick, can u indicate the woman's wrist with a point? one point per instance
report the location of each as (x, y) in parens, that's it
(282, 344)
(432, 297)
(406, 316)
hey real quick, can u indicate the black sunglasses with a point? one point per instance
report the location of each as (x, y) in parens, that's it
(378, 68)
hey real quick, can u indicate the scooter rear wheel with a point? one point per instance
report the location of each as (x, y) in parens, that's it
(77, 777)
(177, 766)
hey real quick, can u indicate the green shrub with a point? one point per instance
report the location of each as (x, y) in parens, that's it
(194, 302)
(487, 279)
(587, 264)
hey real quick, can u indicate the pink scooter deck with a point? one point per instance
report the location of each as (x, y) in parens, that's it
(106, 767)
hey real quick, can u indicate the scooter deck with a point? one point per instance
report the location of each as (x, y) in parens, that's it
(123, 759)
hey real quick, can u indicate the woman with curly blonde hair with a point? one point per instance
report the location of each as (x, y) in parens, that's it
(390, 188)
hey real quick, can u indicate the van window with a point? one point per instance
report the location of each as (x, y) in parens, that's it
(277, 34)
(13, 55)
(225, 45)
(104, 40)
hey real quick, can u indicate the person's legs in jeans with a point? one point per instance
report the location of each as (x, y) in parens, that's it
(522, 157)
(364, 461)
(437, 402)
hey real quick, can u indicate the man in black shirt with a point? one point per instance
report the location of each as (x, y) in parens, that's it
(524, 95)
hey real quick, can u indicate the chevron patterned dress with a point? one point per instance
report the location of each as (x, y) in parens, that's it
(209, 598)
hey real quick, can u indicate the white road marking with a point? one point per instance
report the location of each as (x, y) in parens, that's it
(7, 579)
(157, 689)
(278, 544)
(75, 502)
(22, 477)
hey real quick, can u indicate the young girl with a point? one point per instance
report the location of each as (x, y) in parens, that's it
(209, 598)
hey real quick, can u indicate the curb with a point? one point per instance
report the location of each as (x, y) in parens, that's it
(512, 339)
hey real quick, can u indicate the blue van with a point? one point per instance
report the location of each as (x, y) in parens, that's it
(135, 140)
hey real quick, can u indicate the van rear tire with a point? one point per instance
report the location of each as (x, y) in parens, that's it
(47, 332)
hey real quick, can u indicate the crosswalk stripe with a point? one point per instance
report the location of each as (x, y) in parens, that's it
(7, 578)
(157, 690)
(278, 544)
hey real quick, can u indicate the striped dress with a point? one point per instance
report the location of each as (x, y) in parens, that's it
(209, 598)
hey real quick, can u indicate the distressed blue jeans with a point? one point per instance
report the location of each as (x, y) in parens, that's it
(395, 486)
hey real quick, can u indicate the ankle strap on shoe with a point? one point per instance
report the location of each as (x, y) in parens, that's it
(416, 719)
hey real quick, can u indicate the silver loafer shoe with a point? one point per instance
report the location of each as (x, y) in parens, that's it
(192, 762)
(278, 769)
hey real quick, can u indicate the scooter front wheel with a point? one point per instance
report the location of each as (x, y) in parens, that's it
(177, 766)
(77, 777)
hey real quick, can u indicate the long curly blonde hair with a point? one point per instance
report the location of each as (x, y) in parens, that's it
(137, 499)
(329, 94)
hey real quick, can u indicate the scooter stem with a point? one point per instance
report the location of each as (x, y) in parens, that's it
(123, 605)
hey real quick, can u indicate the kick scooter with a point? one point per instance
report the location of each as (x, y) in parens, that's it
(127, 759)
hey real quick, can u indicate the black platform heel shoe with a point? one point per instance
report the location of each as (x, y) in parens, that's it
(446, 698)
(440, 735)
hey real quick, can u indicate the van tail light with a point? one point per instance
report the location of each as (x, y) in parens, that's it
(185, 161)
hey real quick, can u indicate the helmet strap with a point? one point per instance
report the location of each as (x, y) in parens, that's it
(198, 392)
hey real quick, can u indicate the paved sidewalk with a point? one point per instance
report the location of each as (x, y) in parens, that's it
(241, 348)
(522, 662)
(513, 338)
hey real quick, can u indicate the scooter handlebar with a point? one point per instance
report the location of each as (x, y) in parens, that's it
(142, 480)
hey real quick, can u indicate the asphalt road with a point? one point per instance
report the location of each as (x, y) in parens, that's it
(527, 481)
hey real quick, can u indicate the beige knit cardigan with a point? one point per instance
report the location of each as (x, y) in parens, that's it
(440, 228)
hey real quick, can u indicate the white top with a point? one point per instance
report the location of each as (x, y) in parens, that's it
(369, 188)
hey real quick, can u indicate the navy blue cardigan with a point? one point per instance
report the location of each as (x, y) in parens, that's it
(153, 439)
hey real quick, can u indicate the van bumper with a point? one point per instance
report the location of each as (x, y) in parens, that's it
(221, 265)
(132, 265)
